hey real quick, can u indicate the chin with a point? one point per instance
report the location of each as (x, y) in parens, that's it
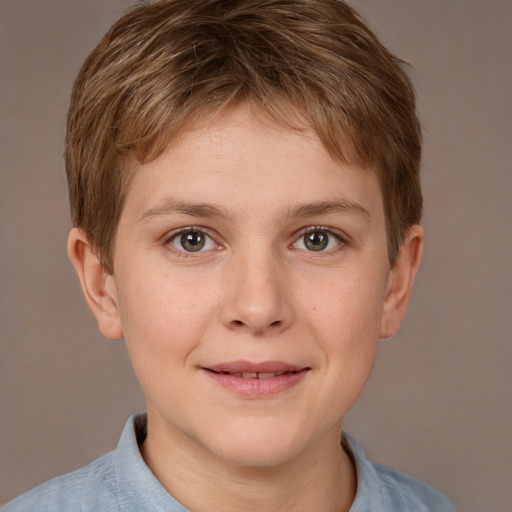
(257, 446)
(256, 455)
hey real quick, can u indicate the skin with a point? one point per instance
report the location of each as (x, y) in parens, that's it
(255, 292)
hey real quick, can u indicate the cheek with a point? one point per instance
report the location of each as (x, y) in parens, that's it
(163, 322)
(163, 316)
(344, 318)
(344, 307)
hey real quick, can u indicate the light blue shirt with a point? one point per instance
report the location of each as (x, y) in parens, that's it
(121, 481)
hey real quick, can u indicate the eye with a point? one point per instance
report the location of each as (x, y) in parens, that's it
(318, 239)
(192, 240)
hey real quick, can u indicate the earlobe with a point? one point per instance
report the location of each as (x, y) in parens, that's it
(400, 282)
(97, 285)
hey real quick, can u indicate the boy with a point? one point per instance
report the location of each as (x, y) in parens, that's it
(244, 188)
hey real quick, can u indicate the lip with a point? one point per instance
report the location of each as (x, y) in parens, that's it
(229, 376)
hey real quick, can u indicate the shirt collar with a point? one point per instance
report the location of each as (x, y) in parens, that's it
(139, 487)
(137, 484)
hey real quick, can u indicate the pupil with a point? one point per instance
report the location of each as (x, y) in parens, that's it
(192, 241)
(316, 241)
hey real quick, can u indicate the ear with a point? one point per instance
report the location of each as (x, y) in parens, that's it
(401, 278)
(97, 285)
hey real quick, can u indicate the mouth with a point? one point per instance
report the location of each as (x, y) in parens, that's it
(255, 375)
(257, 380)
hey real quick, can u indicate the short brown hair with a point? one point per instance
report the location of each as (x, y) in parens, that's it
(164, 63)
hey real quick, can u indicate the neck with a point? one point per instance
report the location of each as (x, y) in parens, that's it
(321, 478)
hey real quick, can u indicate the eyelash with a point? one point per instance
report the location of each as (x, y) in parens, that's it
(182, 252)
(341, 240)
(188, 230)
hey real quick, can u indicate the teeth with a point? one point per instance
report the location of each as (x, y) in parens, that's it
(261, 375)
(251, 375)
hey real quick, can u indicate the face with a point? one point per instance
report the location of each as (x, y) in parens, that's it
(250, 276)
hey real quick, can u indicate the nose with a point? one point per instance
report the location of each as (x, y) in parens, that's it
(256, 299)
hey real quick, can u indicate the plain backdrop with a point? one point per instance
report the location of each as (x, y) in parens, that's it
(438, 404)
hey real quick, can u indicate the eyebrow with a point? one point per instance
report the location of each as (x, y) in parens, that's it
(173, 206)
(326, 207)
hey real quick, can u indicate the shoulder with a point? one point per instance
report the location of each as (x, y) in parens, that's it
(117, 482)
(388, 490)
(82, 490)
(410, 493)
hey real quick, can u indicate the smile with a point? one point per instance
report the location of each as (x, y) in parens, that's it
(257, 380)
(254, 375)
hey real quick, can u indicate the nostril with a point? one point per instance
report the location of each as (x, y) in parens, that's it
(240, 323)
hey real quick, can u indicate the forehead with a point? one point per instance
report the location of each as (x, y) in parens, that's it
(242, 161)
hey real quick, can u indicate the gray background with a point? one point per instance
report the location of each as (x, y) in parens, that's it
(438, 404)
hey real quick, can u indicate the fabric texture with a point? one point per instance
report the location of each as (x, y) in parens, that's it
(120, 481)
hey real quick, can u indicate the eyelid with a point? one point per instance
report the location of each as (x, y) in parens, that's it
(339, 235)
(172, 235)
(169, 237)
(186, 229)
